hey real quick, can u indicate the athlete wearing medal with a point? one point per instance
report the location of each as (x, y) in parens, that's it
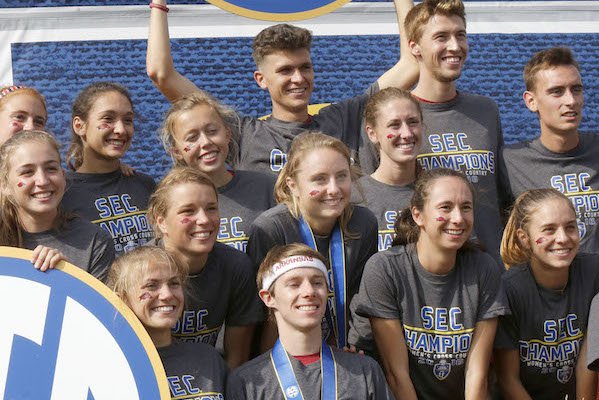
(293, 281)
(314, 190)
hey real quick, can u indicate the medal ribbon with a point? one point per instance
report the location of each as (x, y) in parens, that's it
(337, 260)
(286, 376)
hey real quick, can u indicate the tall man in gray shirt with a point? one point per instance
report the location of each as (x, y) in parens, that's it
(284, 69)
(462, 130)
(560, 157)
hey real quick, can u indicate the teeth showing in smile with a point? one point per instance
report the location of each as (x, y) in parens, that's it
(201, 235)
(332, 202)
(209, 156)
(43, 195)
(297, 90)
(164, 308)
(452, 59)
(307, 308)
(405, 146)
(560, 251)
(116, 142)
(454, 231)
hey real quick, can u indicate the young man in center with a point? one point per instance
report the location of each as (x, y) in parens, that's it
(293, 282)
(284, 68)
(462, 130)
(561, 157)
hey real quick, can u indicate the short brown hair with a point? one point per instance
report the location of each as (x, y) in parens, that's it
(158, 203)
(281, 37)
(546, 59)
(421, 13)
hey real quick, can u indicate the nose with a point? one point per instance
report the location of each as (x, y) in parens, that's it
(561, 236)
(28, 124)
(204, 140)
(308, 289)
(41, 178)
(297, 75)
(119, 127)
(202, 217)
(165, 292)
(453, 43)
(333, 186)
(569, 97)
(457, 216)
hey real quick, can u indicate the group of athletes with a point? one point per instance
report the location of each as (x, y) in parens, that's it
(389, 246)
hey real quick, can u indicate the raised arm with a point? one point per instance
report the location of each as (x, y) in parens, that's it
(404, 73)
(159, 61)
(479, 358)
(389, 337)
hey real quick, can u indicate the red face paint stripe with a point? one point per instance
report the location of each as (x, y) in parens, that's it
(314, 192)
(20, 184)
(390, 136)
(540, 240)
(441, 219)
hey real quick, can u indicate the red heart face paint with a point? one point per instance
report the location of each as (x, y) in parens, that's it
(185, 221)
(20, 184)
(390, 136)
(441, 219)
(540, 240)
(314, 193)
(145, 296)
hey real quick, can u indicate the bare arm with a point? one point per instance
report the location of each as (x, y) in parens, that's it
(389, 337)
(404, 73)
(238, 340)
(508, 374)
(479, 357)
(586, 380)
(159, 61)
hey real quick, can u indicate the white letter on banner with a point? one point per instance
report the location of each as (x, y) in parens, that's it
(89, 359)
(24, 314)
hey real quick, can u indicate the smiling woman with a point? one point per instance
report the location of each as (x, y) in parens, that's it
(30, 215)
(21, 108)
(98, 190)
(549, 286)
(184, 213)
(432, 298)
(314, 190)
(151, 283)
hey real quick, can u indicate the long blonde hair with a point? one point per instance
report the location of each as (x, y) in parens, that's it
(300, 147)
(11, 233)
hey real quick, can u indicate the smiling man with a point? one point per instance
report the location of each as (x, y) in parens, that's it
(560, 157)
(284, 69)
(462, 130)
(293, 282)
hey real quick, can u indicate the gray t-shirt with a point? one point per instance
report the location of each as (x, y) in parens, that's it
(278, 227)
(240, 202)
(385, 202)
(223, 292)
(464, 134)
(547, 326)
(264, 143)
(194, 371)
(593, 335)
(438, 312)
(84, 244)
(359, 377)
(115, 202)
(530, 165)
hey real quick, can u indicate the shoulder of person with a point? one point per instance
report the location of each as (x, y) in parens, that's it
(232, 256)
(251, 367)
(478, 99)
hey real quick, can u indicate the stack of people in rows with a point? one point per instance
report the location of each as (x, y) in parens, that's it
(392, 231)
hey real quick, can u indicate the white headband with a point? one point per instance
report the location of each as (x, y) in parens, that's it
(293, 262)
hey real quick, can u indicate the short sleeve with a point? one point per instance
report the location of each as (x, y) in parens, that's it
(261, 240)
(380, 293)
(593, 335)
(245, 307)
(102, 255)
(493, 300)
(507, 333)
